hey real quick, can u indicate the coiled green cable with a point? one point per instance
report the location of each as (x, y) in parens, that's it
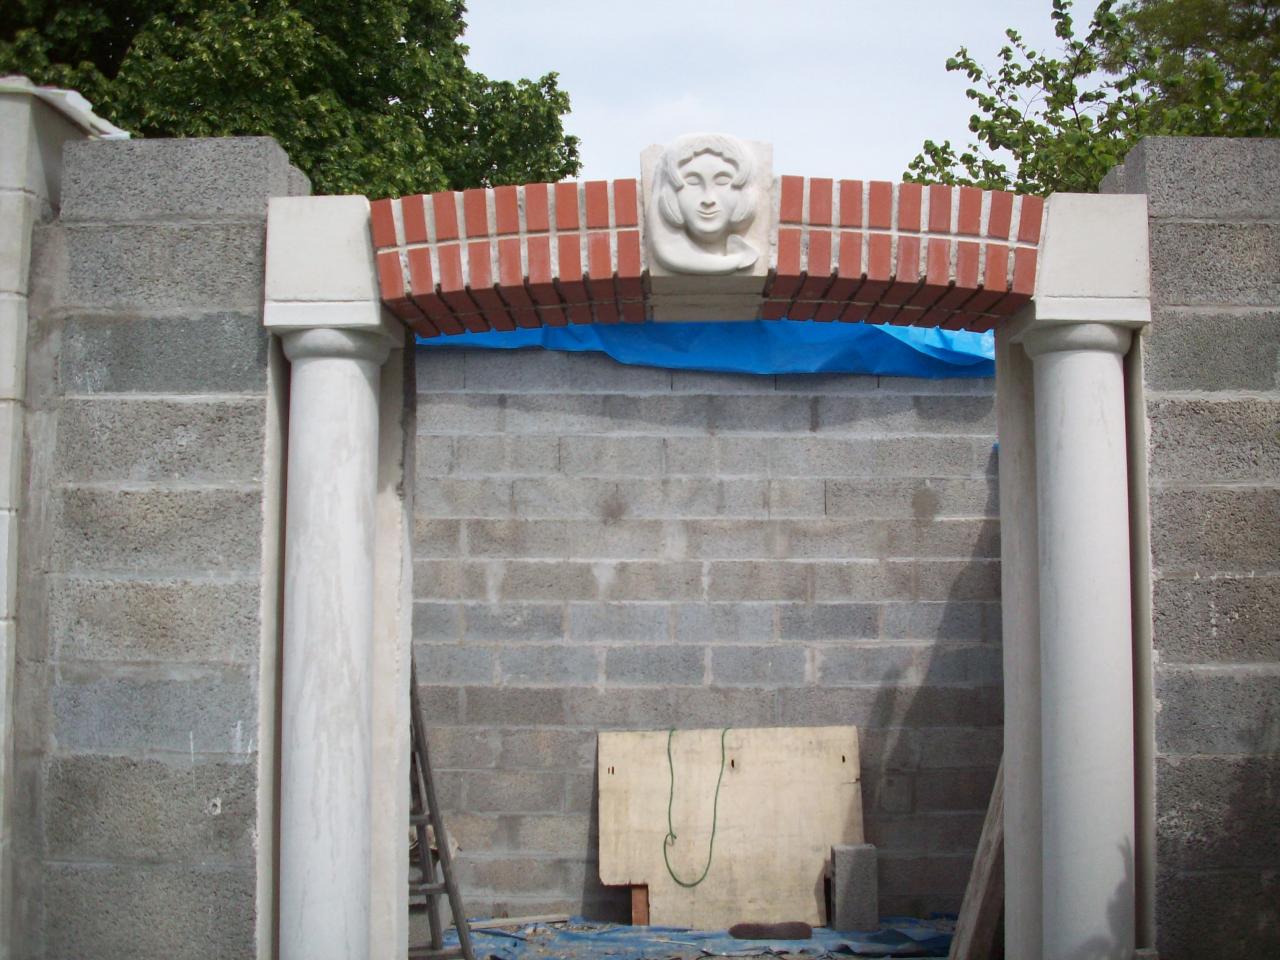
(715, 813)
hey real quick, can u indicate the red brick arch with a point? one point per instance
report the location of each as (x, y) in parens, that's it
(841, 250)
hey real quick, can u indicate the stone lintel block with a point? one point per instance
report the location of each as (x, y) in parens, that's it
(1219, 178)
(193, 178)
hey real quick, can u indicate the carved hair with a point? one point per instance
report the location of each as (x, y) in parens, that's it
(685, 149)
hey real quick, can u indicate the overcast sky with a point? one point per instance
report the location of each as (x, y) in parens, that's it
(840, 87)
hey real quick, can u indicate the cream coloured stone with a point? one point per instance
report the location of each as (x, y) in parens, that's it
(707, 225)
(10, 453)
(13, 346)
(1093, 264)
(17, 217)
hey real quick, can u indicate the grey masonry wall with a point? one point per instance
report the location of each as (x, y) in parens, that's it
(146, 610)
(608, 547)
(1212, 381)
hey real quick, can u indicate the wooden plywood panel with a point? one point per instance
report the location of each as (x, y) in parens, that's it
(788, 795)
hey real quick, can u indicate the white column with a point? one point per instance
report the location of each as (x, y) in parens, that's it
(1086, 678)
(322, 301)
(326, 742)
(1020, 619)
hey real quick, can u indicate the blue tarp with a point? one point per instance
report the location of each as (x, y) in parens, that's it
(584, 940)
(759, 346)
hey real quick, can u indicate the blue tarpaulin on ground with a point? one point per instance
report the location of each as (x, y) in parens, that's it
(760, 346)
(579, 939)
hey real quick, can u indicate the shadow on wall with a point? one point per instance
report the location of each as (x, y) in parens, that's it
(933, 741)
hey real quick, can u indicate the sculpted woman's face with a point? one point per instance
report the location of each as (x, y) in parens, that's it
(708, 198)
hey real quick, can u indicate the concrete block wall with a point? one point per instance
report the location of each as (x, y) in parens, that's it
(147, 593)
(608, 547)
(1212, 384)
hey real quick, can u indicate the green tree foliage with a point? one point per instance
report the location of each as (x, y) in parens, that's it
(1059, 122)
(367, 96)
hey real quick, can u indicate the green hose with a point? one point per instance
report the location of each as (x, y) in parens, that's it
(715, 812)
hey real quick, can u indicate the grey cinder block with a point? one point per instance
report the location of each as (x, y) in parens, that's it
(165, 267)
(1214, 441)
(678, 665)
(208, 441)
(116, 911)
(558, 665)
(773, 665)
(1214, 177)
(855, 891)
(1215, 710)
(154, 620)
(443, 663)
(129, 809)
(1212, 349)
(1215, 263)
(1232, 529)
(162, 531)
(1218, 619)
(180, 179)
(215, 711)
(210, 353)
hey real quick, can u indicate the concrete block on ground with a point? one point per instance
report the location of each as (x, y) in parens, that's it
(124, 809)
(204, 441)
(855, 892)
(166, 532)
(172, 620)
(1209, 177)
(113, 911)
(164, 267)
(180, 179)
(1212, 348)
(210, 353)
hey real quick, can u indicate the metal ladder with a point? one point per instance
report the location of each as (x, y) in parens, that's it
(429, 886)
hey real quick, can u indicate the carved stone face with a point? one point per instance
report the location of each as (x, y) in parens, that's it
(708, 198)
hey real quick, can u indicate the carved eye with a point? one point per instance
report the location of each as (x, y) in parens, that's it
(723, 179)
(692, 179)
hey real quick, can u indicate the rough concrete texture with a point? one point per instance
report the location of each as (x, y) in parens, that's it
(140, 605)
(174, 179)
(608, 547)
(855, 895)
(1212, 381)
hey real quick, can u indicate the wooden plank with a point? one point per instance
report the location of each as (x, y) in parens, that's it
(786, 797)
(639, 906)
(984, 896)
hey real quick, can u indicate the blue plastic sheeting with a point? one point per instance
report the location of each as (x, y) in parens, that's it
(585, 940)
(760, 346)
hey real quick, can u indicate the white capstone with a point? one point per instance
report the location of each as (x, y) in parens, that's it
(1094, 265)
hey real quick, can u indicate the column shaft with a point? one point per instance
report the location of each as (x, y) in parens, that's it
(1086, 641)
(326, 740)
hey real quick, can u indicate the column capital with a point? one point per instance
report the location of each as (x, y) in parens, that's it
(1059, 337)
(336, 343)
(1094, 265)
(320, 268)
